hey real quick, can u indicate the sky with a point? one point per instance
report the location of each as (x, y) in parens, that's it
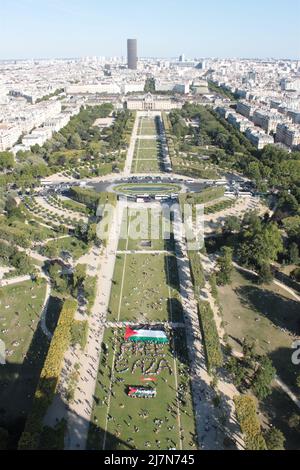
(164, 28)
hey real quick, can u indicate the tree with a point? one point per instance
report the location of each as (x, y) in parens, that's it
(275, 439)
(294, 421)
(4, 436)
(7, 160)
(232, 224)
(248, 351)
(74, 141)
(261, 242)
(79, 274)
(265, 273)
(225, 267)
(294, 253)
(263, 378)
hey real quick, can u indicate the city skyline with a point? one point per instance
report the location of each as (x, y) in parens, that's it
(77, 29)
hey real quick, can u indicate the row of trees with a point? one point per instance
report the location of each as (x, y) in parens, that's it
(49, 377)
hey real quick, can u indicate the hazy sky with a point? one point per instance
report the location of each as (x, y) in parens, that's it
(198, 28)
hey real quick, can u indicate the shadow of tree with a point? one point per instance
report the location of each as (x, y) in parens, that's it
(281, 311)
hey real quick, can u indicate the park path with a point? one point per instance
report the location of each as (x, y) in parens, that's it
(278, 283)
(14, 280)
(130, 152)
(80, 411)
(210, 435)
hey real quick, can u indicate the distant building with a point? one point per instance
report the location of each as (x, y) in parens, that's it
(288, 134)
(258, 138)
(132, 59)
(152, 103)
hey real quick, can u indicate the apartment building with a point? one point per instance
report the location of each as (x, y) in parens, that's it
(258, 138)
(288, 134)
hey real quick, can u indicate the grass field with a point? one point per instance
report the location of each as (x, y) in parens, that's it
(72, 245)
(147, 154)
(26, 344)
(148, 188)
(147, 126)
(145, 287)
(260, 313)
(144, 230)
(121, 422)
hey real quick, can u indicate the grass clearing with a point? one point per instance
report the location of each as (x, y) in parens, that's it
(21, 306)
(260, 313)
(72, 245)
(144, 229)
(145, 294)
(121, 422)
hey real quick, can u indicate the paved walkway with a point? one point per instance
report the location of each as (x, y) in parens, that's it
(210, 433)
(80, 411)
(14, 280)
(130, 153)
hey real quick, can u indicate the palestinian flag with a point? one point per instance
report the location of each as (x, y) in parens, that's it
(150, 336)
(148, 379)
(141, 392)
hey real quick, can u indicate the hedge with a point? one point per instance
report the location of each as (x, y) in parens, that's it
(211, 339)
(219, 206)
(197, 273)
(49, 377)
(245, 407)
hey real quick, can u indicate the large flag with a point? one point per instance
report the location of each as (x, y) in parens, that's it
(148, 379)
(140, 392)
(152, 336)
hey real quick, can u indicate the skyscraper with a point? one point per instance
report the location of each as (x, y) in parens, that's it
(132, 54)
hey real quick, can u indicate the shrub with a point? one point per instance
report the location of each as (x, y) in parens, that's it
(213, 351)
(246, 413)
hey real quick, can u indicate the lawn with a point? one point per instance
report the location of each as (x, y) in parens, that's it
(147, 126)
(146, 157)
(143, 229)
(145, 288)
(126, 423)
(148, 144)
(72, 245)
(148, 188)
(21, 306)
(261, 313)
(146, 166)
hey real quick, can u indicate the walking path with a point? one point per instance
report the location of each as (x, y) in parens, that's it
(14, 280)
(209, 431)
(130, 153)
(44, 327)
(80, 412)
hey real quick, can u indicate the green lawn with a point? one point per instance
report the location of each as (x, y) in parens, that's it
(75, 247)
(147, 126)
(146, 166)
(150, 289)
(143, 230)
(132, 423)
(148, 188)
(21, 306)
(259, 312)
(148, 144)
(147, 153)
